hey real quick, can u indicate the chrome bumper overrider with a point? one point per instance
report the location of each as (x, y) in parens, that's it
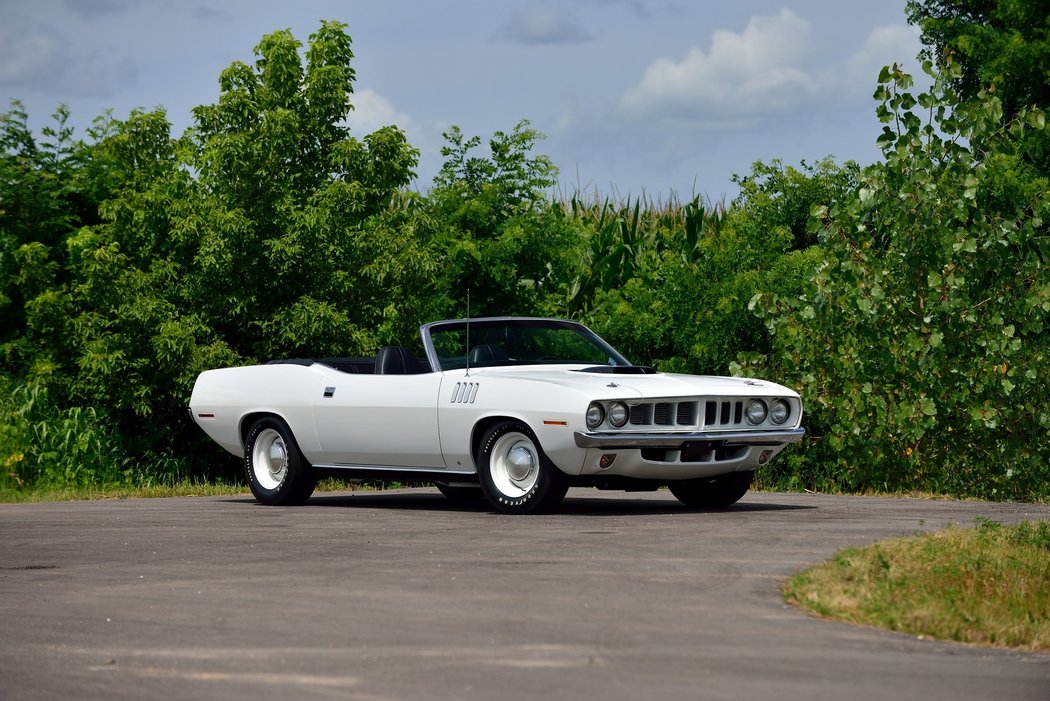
(615, 441)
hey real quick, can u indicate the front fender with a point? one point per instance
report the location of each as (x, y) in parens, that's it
(553, 415)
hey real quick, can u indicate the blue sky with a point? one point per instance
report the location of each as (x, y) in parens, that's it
(654, 96)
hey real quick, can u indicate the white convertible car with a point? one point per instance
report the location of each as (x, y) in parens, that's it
(513, 409)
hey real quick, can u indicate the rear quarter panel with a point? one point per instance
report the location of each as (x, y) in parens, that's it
(222, 399)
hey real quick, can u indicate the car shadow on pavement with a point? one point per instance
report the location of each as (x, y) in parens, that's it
(596, 505)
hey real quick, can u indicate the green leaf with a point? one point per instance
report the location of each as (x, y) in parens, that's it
(970, 187)
(1037, 119)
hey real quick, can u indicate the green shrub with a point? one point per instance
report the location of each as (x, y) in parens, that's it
(919, 344)
(43, 446)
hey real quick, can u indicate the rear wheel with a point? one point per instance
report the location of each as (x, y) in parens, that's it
(516, 476)
(713, 492)
(277, 472)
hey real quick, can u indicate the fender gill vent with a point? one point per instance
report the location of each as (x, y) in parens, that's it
(464, 393)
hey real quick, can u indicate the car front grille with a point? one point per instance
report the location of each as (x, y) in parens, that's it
(710, 413)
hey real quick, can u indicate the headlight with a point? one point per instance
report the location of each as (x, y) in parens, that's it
(779, 412)
(595, 415)
(756, 411)
(618, 414)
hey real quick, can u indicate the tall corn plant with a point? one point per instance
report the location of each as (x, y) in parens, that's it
(626, 241)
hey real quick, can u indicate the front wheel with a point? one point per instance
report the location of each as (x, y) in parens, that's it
(516, 476)
(277, 472)
(713, 492)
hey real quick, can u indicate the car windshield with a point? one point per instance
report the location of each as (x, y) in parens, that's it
(501, 342)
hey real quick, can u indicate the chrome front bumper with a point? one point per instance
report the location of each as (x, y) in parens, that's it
(672, 441)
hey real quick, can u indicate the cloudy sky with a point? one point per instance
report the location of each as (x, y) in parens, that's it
(660, 96)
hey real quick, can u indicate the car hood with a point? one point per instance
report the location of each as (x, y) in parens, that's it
(631, 386)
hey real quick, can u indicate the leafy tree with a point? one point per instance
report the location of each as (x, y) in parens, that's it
(920, 342)
(777, 199)
(508, 181)
(493, 225)
(1000, 46)
(286, 197)
(44, 197)
(266, 230)
(40, 205)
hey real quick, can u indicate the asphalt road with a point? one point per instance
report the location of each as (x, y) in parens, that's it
(406, 595)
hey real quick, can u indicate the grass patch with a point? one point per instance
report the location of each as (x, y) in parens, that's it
(178, 489)
(988, 585)
(186, 488)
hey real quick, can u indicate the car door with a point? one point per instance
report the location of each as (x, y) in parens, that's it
(380, 420)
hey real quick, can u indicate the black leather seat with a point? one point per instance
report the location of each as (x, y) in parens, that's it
(397, 360)
(487, 353)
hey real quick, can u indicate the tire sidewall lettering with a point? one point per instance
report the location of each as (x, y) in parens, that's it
(543, 496)
(486, 452)
(520, 500)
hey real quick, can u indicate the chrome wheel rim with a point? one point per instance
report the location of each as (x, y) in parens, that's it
(270, 459)
(514, 465)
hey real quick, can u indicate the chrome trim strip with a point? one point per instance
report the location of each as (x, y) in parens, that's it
(390, 468)
(618, 441)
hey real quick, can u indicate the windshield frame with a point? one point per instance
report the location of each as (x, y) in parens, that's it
(427, 332)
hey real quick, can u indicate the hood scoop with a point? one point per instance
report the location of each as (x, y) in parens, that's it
(620, 370)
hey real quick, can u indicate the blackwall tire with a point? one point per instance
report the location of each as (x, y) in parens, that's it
(713, 492)
(277, 473)
(515, 474)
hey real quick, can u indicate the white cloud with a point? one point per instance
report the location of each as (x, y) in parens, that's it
(744, 76)
(885, 46)
(373, 111)
(542, 23)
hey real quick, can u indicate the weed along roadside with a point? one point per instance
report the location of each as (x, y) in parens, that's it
(987, 585)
